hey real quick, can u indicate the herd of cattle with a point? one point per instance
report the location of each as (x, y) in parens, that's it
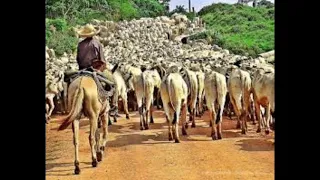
(191, 87)
(182, 87)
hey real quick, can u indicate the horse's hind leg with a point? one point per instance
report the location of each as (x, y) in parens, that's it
(92, 138)
(104, 137)
(75, 129)
(98, 150)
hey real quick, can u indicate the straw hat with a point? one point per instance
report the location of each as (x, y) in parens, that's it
(88, 31)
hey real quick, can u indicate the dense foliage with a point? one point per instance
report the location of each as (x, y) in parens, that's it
(63, 14)
(239, 28)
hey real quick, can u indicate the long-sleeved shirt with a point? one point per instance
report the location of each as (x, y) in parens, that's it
(89, 50)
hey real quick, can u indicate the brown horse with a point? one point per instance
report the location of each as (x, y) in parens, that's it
(83, 98)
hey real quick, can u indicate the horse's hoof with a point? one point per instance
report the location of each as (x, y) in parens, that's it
(193, 125)
(141, 128)
(219, 136)
(127, 116)
(170, 138)
(243, 131)
(146, 128)
(77, 171)
(258, 130)
(94, 163)
(99, 156)
(177, 140)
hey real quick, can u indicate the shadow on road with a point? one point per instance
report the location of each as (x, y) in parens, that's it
(255, 145)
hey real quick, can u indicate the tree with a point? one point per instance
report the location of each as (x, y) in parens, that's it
(179, 9)
(265, 3)
(67, 9)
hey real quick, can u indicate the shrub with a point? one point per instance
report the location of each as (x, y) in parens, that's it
(62, 42)
(239, 28)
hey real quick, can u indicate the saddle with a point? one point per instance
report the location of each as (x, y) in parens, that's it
(105, 86)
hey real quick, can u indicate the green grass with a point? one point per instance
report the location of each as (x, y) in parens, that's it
(242, 29)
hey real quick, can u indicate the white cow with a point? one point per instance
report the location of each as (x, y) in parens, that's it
(174, 94)
(263, 91)
(239, 85)
(216, 90)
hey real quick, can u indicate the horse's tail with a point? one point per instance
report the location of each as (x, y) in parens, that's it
(77, 102)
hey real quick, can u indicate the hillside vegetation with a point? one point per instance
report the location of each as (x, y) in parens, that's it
(62, 15)
(239, 28)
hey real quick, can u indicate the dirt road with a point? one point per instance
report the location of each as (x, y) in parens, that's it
(148, 155)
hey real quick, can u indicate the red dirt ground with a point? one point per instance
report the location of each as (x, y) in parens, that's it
(134, 154)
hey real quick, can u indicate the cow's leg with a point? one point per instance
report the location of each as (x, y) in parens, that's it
(109, 121)
(236, 110)
(243, 118)
(151, 114)
(258, 113)
(213, 122)
(51, 104)
(200, 106)
(146, 117)
(125, 105)
(47, 110)
(169, 129)
(253, 118)
(75, 129)
(190, 117)
(230, 110)
(219, 122)
(268, 117)
(184, 119)
(197, 108)
(193, 125)
(158, 99)
(245, 111)
(176, 126)
(141, 118)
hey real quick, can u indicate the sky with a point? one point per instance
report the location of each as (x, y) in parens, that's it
(198, 4)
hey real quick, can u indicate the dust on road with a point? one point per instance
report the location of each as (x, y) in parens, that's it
(134, 154)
